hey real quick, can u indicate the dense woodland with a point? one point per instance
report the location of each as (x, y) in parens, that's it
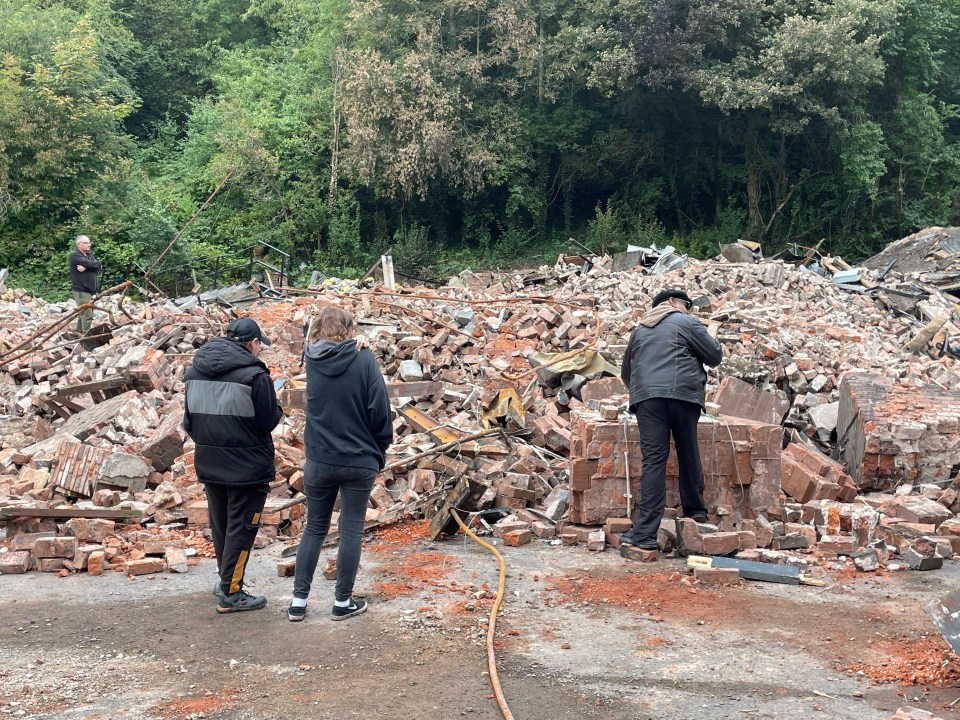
(468, 133)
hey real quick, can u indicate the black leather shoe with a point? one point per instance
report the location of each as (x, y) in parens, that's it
(629, 539)
(699, 517)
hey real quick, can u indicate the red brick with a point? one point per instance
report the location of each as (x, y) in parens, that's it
(82, 557)
(516, 538)
(720, 543)
(96, 563)
(618, 525)
(505, 526)
(55, 547)
(15, 563)
(92, 529)
(50, 564)
(631, 552)
(144, 566)
(797, 481)
(26, 541)
(543, 529)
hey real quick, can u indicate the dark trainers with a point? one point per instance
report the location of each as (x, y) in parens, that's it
(217, 590)
(356, 607)
(296, 614)
(699, 517)
(240, 601)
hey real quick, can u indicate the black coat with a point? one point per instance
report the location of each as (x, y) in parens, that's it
(349, 420)
(666, 355)
(230, 410)
(85, 281)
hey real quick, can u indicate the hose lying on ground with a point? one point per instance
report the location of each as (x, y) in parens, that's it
(492, 625)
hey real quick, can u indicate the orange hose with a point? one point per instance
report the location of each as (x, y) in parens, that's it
(492, 626)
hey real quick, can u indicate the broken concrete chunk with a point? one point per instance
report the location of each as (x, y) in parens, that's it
(128, 472)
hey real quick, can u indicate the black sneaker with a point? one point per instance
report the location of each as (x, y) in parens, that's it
(296, 613)
(356, 607)
(699, 517)
(239, 602)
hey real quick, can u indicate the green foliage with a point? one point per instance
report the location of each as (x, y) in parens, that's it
(413, 252)
(477, 134)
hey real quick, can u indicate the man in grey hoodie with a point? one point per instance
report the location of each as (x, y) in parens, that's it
(663, 369)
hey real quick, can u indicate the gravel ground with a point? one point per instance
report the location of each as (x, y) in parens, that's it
(580, 635)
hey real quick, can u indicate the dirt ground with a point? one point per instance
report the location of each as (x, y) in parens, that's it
(580, 635)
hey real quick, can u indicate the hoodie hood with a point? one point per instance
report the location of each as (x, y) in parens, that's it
(653, 317)
(332, 359)
(221, 355)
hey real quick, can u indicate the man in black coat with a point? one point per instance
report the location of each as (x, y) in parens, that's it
(230, 411)
(83, 280)
(663, 369)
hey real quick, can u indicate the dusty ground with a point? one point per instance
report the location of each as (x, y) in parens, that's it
(580, 635)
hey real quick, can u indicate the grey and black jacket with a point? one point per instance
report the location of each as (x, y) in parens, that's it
(86, 281)
(666, 355)
(230, 410)
(349, 421)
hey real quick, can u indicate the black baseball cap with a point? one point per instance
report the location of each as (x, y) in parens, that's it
(665, 295)
(246, 329)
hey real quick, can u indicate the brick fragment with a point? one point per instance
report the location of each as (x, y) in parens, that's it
(330, 569)
(176, 560)
(596, 541)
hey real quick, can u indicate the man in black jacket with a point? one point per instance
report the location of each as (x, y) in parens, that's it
(83, 280)
(663, 369)
(230, 410)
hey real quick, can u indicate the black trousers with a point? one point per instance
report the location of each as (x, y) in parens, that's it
(235, 514)
(657, 419)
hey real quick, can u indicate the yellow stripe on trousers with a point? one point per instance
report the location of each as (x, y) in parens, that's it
(238, 569)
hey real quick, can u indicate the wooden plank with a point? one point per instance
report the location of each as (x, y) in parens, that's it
(90, 387)
(413, 389)
(423, 422)
(56, 407)
(462, 496)
(69, 512)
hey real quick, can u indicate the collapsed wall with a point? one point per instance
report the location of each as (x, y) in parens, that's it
(891, 433)
(741, 466)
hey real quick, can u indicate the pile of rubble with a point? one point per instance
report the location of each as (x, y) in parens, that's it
(509, 381)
